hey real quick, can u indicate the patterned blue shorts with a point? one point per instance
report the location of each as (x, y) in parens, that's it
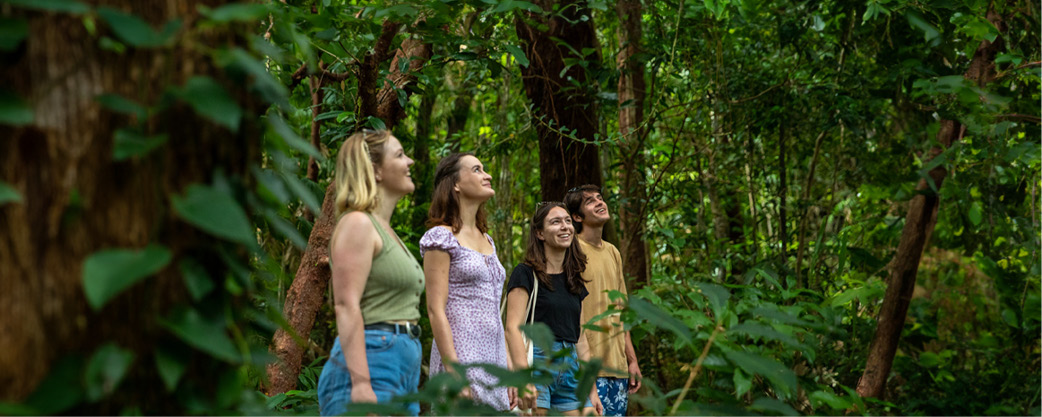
(614, 394)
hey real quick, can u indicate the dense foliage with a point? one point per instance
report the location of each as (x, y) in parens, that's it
(785, 139)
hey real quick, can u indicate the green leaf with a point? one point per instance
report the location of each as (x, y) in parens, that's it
(929, 359)
(774, 406)
(107, 273)
(128, 143)
(298, 187)
(659, 318)
(272, 90)
(518, 54)
(212, 101)
(286, 229)
(215, 212)
(13, 110)
(834, 401)
(401, 10)
(511, 5)
(118, 103)
(196, 279)
(62, 389)
(975, 213)
(717, 297)
(742, 383)
(106, 369)
(1010, 317)
(12, 33)
(60, 6)
(171, 367)
(207, 335)
(292, 139)
(540, 335)
(8, 194)
(916, 20)
(136, 32)
(236, 12)
(783, 379)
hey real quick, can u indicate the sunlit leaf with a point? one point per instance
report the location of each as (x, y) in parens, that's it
(107, 273)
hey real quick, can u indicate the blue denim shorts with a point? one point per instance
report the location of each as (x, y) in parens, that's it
(560, 394)
(394, 369)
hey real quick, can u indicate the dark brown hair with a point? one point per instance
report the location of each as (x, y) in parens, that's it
(445, 210)
(535, 253)
(573, 202)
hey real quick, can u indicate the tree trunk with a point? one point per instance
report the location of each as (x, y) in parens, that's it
(76, 199)
(317, 96)
(919, 224)
(632, 94)
(563, 113)
(307, 292)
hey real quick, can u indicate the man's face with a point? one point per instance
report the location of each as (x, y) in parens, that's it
(594, 210)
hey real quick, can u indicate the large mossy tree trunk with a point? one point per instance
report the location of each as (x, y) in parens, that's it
(564, 112)
(919, 224)
(77, 199)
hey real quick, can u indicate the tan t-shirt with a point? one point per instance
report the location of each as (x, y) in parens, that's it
(604, 271)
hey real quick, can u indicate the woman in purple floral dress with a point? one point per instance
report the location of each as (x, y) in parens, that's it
(464, 279)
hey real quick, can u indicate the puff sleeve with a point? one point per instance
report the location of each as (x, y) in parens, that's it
(438, 238)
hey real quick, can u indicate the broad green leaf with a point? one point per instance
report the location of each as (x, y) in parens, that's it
(196, 279)
(1010, 317)
(8, 194)
(761, 331)
(742, 383)
(783, 379)
(774, 406)
(60, 6)
(171, 367)
(13, 110)
(106, 369)
(128, 143)
(286, 229)
(916, 20)
(107, 273)
(134, 31)
(834, 401)
(62, 389)
(540, 335)
(929, 359)
(511, 5)
(717, 297)
(659, 318)
(236, 12)
(210, 100)
(401, 10)
(12, 33)
(207, 335)
(518, 54)
(975, 213)
(215, 212)
(292, 139)
(118, 103)
(272, 90)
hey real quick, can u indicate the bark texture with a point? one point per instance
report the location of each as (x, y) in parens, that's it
(77, 200)
(919, 224)
(632, 93)
(307, 293)
(562, 109)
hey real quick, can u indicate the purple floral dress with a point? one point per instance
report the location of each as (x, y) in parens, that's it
(475, 287)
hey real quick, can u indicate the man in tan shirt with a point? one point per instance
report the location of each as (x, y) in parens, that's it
(621, 373)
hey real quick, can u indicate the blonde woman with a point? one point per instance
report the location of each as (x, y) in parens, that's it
(376, 281)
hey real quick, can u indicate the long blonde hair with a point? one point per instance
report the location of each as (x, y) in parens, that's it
(355, 176)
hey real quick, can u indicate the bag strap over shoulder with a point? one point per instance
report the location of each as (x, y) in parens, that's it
(530, 308)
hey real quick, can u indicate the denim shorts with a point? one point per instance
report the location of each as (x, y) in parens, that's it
(394, 369)
(559, 395)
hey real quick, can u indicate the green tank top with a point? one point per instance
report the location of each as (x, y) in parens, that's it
(395, 282)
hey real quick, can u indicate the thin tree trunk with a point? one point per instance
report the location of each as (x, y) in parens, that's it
(805, 211)
(564, 114)
(631, 125)
(306, 294)
(783, 190)
(919, 224)
(317, 95)
(76, 200)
